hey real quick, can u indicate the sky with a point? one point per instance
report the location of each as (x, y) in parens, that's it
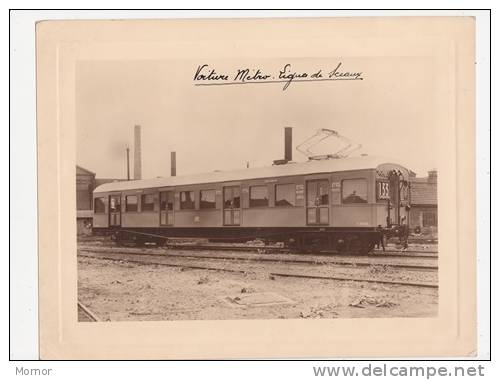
(390, 112)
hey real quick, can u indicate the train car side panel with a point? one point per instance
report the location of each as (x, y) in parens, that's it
(100, 220)
(353, 216)
(274, 217)
(198, 218)
(142, 219)
(381, 215)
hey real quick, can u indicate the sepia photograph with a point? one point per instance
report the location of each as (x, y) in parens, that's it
(250, 193)
(254, 189)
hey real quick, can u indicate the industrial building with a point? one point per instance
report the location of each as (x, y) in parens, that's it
(424, 209)
(86, 182)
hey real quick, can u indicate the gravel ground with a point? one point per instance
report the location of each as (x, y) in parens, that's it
(376, 271)
(124, 291)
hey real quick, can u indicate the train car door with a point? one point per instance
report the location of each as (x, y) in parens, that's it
(115, 211)
(318, 205)
(232, 206)
(166, 208)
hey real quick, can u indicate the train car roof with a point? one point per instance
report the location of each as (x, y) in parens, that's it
(290, 169)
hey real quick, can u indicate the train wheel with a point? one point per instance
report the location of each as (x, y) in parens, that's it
(367, 248)
(356, 245)
(120, 243)
(291, 244)
(341, 246)
(312, 244)
(161, 242)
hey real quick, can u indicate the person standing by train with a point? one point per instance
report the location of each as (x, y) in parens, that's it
(404, 234)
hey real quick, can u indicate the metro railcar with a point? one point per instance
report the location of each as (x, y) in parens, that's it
(347, 204)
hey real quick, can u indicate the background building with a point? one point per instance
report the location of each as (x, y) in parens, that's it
(86, 182)
(423, 214)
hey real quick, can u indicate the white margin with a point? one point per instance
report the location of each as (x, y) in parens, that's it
(23, 237)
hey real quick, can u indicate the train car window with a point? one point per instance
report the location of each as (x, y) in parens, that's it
(228, 197)
(317, 193)
(354, 191)
(166, 200)
(236, 197)
(285, 195)
(187, 200)
(163, 200)
(232, 197)
(99, 207)
(147, 202)
(323, 193)
(312, 194)
(207, 199)
(131, 203)
(258, 196)
(114, 204)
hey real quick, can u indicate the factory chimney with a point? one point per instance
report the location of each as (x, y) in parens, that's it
(173, 164)
(128, 163)
(288, 144)
(288, 148)
(137, 152)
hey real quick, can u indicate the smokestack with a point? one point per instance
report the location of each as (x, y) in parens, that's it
(173, 164)
(128, 163)
(288, 148)
(137, 152)
(288, 144)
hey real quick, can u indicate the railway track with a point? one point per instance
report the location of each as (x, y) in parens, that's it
(155, 259)
(387, 253)
(378, 253)
(277, 249)
(263, 259)
(85, 313)
(404, 254)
